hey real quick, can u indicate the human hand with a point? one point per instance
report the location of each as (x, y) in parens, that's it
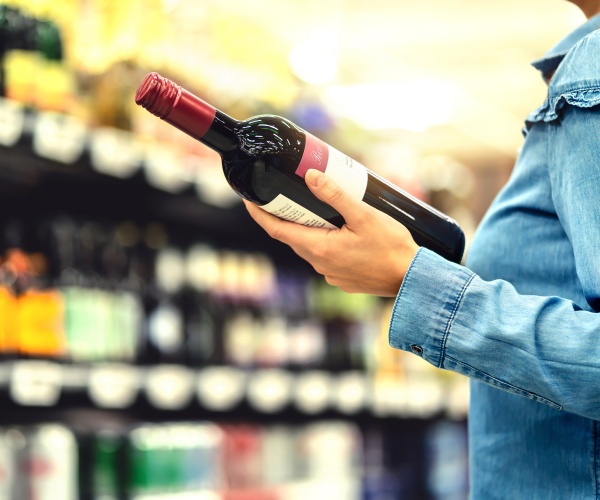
(369, 254)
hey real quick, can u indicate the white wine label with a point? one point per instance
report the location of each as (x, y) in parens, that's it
(284, 208)
(350, 175)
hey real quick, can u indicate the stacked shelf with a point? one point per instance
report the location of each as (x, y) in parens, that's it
(401, 410)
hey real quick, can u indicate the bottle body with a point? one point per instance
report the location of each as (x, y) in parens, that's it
(266, 157)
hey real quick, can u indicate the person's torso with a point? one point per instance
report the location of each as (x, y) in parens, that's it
(520, 448)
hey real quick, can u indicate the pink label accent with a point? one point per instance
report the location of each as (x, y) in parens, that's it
(315, 155)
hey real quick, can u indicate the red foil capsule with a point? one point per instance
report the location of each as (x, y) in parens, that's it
(163, 98)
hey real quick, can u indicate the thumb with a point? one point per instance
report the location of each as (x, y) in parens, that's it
(326, 189)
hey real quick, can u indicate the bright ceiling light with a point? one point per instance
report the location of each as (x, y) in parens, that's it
(412, 105)
(169, 5)
(315, 60)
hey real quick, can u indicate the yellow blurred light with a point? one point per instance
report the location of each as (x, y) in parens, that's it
(169, 5)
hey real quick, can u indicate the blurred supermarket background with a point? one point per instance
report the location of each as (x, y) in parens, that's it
(153, 342)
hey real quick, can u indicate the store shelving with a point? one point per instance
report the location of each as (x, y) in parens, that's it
(173, 388)
(65, 165)
(49, 163)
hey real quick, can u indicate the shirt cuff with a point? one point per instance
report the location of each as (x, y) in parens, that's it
(426, 305)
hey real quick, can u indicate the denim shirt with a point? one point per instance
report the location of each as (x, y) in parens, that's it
(520, 319)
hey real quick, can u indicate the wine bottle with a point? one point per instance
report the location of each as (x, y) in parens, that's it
(20, 55)
(5, 41)
(266, 157)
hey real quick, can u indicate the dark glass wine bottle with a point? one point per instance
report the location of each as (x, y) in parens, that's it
(266, 157)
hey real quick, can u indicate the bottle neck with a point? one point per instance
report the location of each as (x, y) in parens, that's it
(188, 113)
(203, 122)
(221, 135)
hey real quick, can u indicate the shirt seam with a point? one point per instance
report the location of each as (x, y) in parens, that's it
(507, 386)
(407, 275)
(568, 90)
(451, 319)
(400, 293)
(596, 479)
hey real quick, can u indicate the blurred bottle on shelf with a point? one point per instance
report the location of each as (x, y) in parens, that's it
(34, 308)
(43, 462)
(349, 321)
(106, 473)
(330, 450)
(317, 459)
(203, 315)
(183, 323)
(103, 312)
(8, 302)
(447, 461)
(19, 54)
(305, 335)
(174, 458)
(108, 94)
(40, 314)
(34, 70)
(5, 42)
(55, 88)
(241, 456)
(126, 289)
(123, 291)
(165, 327)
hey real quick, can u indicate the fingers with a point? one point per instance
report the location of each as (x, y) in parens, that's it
(285, 231)
(325, 188)
(270, 223)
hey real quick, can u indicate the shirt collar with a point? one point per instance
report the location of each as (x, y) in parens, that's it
(548, 64)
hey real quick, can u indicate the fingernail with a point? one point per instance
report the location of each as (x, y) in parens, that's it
(314, 177)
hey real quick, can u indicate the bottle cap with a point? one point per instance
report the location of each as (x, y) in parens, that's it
(157, 94)
(163, 98)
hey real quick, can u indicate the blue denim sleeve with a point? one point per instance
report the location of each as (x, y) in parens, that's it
(542, 348)
(545, 348)
(574, 171)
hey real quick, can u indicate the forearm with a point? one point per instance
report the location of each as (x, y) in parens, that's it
(544, 348)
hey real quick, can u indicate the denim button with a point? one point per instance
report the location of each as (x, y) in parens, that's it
(417, 349)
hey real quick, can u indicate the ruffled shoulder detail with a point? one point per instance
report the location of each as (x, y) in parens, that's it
(576, 81)
(550, 110)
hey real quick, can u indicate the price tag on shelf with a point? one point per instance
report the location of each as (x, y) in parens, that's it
(425, 397)
(389, 397)
(12, 121)
(115, 152)
(36, 383)
(169, 387)
(269, 390)
(313, 391)
(221, 387)
(350, 392)
(114, 385)
(59, 137)
(210, 183)
(196, 495)
(164, 169)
